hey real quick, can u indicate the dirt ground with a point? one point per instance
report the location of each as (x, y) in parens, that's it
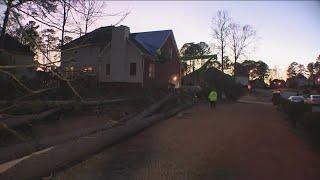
(235, 141)
(65, 123)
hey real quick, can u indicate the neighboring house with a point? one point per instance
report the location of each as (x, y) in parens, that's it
(242, 77)
(277, 83)
(297, 81)
(115, 56)
(317, 79)
(314, 79)
(191, 64)
(258, 83)
(15, 53)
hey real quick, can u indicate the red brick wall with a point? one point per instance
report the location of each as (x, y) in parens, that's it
(164, 71)
(165, 68)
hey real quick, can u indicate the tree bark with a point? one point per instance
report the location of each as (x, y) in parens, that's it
(5, 23)
(63, 23)
(222, 60)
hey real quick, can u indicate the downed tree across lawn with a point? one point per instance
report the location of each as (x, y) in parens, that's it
(19, 120)
(15, 121)
(41, 164)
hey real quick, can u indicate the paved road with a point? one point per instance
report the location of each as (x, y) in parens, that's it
(235, 141)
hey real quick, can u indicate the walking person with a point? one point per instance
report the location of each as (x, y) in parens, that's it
(213, 98)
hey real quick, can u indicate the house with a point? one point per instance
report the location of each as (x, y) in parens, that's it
(297, 81)
(314, 79)
(242, 76)
(114, 56)
(257, 83)
(277, 83)
(15, 53)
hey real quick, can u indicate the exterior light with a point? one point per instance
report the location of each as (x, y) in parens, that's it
(71, 68)
(317, 81)
(174, 78)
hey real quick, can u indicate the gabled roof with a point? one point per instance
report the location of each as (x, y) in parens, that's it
(153, 40)
(147, 42)
(14, 46)
(97, 36)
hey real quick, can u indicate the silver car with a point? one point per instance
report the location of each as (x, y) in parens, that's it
(296, 99)
(315, 99)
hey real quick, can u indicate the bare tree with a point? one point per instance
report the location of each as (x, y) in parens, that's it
(66, 7)
(220, 33)
(34, 6)
(240, 40)
(89, 12)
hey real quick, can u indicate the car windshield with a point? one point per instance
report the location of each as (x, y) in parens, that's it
(296, 98)
(315, 96)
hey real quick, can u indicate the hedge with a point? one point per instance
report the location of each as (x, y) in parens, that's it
(301, 116)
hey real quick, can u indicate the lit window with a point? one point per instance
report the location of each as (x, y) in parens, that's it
(151, 71)
(90, 69)
(133, 69)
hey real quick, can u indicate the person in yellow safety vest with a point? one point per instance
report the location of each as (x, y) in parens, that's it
(213, 98)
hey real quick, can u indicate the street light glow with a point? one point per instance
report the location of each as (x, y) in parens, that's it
(174, 78)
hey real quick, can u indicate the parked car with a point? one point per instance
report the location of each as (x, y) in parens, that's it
(314, 99)
(296, 99)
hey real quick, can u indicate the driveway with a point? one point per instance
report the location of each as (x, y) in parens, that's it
(235, 141)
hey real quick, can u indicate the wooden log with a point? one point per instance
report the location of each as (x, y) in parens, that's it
(23, 149)
(15, 121)
(26, 148)
(42, 164)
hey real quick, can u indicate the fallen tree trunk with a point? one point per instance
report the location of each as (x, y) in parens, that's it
(26, 148)
(16, 121)
(59, 156)
(69, 102)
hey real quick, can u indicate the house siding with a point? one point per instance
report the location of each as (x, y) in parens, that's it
(165, 68)
(133, 55)
(119, 53)
(82, 57)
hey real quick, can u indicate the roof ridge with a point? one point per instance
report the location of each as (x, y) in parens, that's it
(152, 31)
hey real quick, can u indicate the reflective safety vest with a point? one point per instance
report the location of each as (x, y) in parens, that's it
(213, 96)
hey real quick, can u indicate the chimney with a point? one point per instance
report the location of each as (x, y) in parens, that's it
(119, 39)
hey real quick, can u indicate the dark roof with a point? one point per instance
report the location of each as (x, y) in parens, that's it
(148, 42)
(14, 46)
(152, 40)
(300, 76)
(100, 35)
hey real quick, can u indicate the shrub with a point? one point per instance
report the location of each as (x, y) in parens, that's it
(223, 83)
(312, 125)
(295, 111)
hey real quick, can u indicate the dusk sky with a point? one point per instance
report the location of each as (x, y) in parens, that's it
(288, 30)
